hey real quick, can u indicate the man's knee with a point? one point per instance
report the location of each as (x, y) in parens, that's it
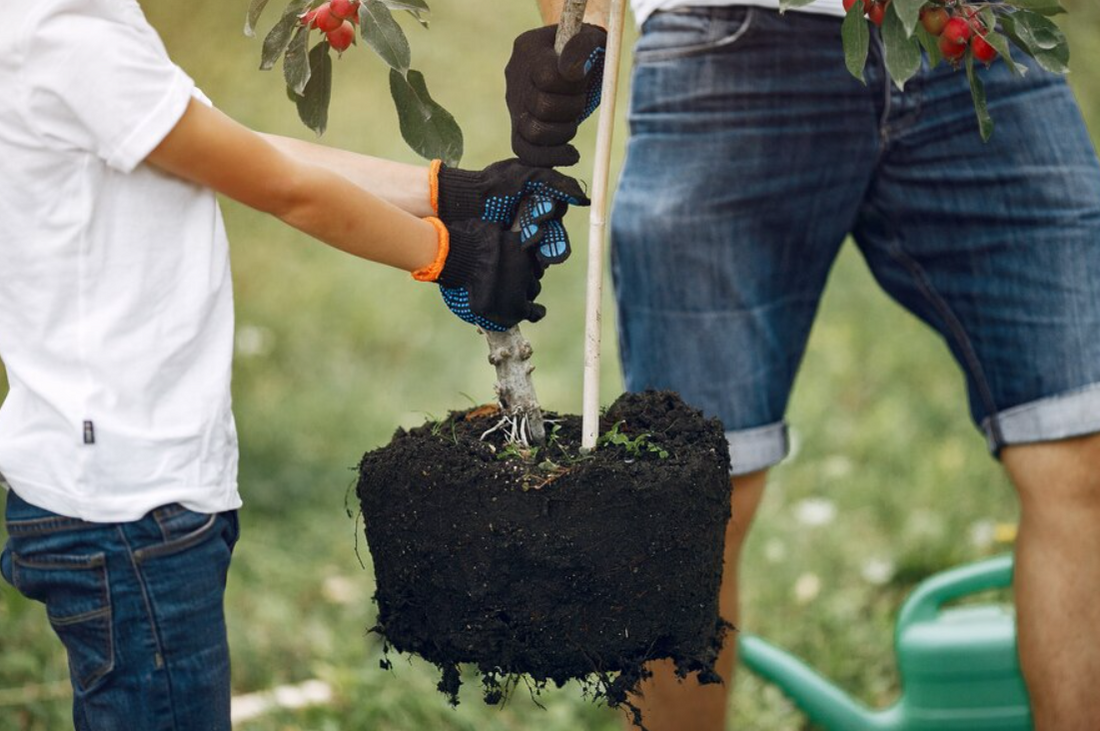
(1057, 476)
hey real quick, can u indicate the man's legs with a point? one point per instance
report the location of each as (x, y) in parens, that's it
(1058, 579)
(739, 187)
(670, 704)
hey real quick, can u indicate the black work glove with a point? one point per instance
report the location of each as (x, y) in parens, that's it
(491, 279)
(548, 97)
(495, 194)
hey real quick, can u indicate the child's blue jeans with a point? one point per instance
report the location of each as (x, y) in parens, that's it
(139, 608)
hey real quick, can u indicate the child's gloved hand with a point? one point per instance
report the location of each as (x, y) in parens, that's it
(495, 194)
(488, 274)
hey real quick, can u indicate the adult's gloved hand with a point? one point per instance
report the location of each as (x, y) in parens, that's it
(487, 275)
(549, 96)
(495, 195)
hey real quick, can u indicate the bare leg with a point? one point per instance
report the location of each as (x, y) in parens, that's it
(1058, 579)
(670, 705)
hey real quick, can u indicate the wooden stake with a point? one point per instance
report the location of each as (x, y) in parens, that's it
(600, 182)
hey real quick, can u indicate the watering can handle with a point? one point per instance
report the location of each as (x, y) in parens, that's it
(924, 603)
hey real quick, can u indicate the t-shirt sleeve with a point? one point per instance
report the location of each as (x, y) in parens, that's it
(101, 81)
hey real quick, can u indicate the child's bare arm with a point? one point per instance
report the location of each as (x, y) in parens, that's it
(404, 185)
(208, 148)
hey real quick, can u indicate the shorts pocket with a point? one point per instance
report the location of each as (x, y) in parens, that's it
(78, 605)
(669, 36)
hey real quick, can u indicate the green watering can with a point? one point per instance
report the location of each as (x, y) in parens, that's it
(958, 666)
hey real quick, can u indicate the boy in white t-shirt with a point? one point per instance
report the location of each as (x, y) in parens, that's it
(116, 328)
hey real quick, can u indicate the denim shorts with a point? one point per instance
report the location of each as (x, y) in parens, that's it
(754, 153)
(139, 609)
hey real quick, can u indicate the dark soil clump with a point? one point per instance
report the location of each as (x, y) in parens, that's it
(551, 565)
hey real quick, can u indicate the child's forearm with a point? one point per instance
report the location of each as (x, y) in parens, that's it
(405, 186)
(210, 149)
(339, 212)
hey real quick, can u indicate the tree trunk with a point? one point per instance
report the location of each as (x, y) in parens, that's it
(510, 351)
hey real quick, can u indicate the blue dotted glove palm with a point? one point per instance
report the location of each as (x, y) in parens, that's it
(491, 275)
(495, 194)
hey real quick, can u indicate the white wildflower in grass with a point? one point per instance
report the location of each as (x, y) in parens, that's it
(982, 533)
(340, 590)
(836, 467)
(254, 341)
(815, 511)
(877, 571)
(775, 550)
(806, 588)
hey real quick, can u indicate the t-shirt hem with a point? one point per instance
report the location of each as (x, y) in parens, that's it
(202, 499)
(145, 137)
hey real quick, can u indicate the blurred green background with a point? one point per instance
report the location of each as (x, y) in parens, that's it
(889, 482)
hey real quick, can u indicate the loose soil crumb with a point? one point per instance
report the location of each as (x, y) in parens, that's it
(550, 565)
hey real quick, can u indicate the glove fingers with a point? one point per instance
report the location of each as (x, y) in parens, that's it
(546, 77)
(544, 156)
(576, 58)
(532, 212)
(558, 186)
(535, 312)
(548, 134)
(553, 245)
(550, 107)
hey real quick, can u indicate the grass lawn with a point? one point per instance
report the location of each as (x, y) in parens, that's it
(889, 481)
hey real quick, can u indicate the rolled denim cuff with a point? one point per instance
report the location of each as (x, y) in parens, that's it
(752, 450)
(1071, 414)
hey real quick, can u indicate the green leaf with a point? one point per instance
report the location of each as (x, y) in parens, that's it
(785, 5)
(909, 12)
(902, 52)
(314, 101)
(296, 62)
(415, 5)
(1039, 32)
(931, 46)
(277, 41)
(1055, 60)
(384, 35)
(255, 8)
(1000, 43)
(428, 128)
(416, 8)
(1043, 7)
(977, 92)
(419, 18)
(857, 40)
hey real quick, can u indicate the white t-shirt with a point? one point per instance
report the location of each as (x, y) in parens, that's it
(116, 306)
(644, 8)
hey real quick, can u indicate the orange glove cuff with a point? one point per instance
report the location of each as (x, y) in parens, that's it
(431, 272)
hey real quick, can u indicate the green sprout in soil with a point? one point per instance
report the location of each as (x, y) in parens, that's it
(636, 448)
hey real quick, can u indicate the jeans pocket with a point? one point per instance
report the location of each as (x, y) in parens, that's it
(78, 606)
(180, 529)
(669, 36)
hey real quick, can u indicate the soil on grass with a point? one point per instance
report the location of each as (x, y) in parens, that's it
(550, 565)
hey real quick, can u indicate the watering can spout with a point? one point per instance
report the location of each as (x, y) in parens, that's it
(822, 701)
